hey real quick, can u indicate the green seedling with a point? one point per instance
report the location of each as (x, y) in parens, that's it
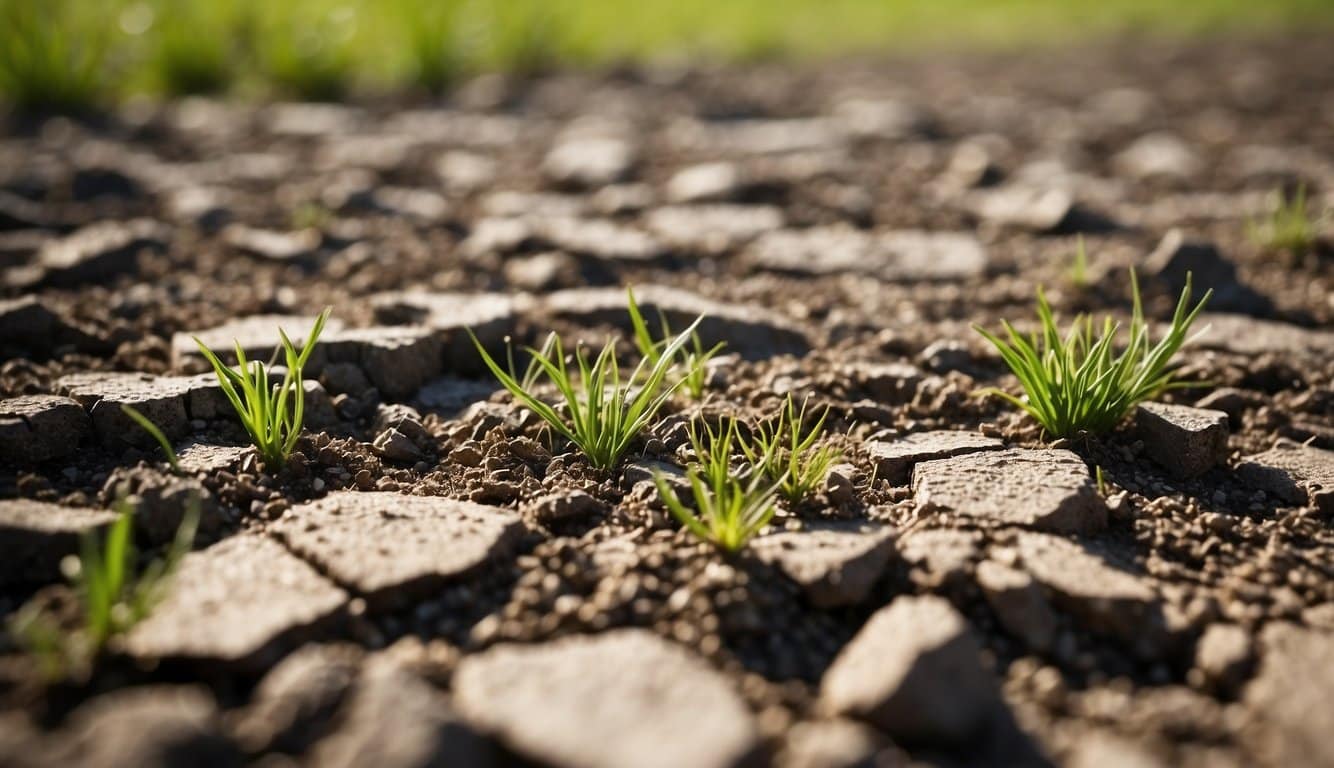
(728, 509)
(694, 358)
(604, 412)
(272, 414)
(1079, 383)
(1079, 270)
(1288, 227)
(112, 597)
(152, 429)
(53, 54)
(789, 456)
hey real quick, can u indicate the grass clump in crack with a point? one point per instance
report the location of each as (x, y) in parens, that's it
(789, 455)
(272, 414)
(112, 595)
(1288, 226)
(600, 411)
(1080, 382)
(694, 358)
(729, 508)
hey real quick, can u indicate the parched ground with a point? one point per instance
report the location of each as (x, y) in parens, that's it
(433, 581)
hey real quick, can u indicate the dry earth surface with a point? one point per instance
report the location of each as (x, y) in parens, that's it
(433, 581)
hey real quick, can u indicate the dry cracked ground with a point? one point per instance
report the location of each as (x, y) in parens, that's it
(433, 581)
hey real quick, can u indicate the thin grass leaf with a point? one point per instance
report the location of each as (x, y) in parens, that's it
(152, 429)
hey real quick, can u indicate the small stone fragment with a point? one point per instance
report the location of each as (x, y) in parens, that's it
(396, 446)
(145, 726)
(1178, 256)
(1018, 603)
(35, 536)
(162, 399)
(835, 565)
(1157, 155)
(239, 602)
(99, 252)
(837, 743)
(1187, 441)
(886, 382)
(37, 428)
(1223, 655)
(895, 458)
(271, 245)
(1048, 490)
(588, 163)
(940, 557)
(296, 701)
(1290, 695)
(1295, 473)
(562, 505)
(398, 361)
(389, 547)
(257, 336)
(490, 316)
(706, 182)
(619, 698)
(914, 670)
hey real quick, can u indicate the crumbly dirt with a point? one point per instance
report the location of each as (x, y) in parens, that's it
(1221, 585)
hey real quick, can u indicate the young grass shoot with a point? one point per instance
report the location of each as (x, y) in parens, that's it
(603, 412)
(1288, 226)
(272, 414)
(1079, 382)
(729, 509)
(152, 429)
(694, 359)
(789, 456)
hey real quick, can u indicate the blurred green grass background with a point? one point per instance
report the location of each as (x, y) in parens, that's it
(74, 54)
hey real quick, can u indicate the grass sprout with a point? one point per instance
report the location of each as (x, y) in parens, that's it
(152, 429)
(789, 455)
(604, 412)
(729, 509)
(272, 414)
(694, 358)
(111, 596)
(1079, 382)
(53, 54)
(1079, 269)
(1288, 226)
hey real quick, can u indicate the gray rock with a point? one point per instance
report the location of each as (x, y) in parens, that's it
(882, 118)
(257, 335)
(1187, 441)
(35, 536)
(1048, 490)
(1105, 598)
(162, 399)
(562, 505)
(894, 255)
(619, 698)
(296, 701)
(99, 252)
(204, 207)
(706, 182)
(1044, 211)
(914, 671)
(388, 547)
(396, 446)
(161, 501)
(397, 360)
(895, 459)
(1177, 255)
(1290, 696)
(941, 557)
(490, 316)
(1247, 336)
(448, 395)
(1223, 655)
(894, 383)
(395, 719)
(197, 457)
(1018, 603)
(835, 564)
(241, 602)
(271, 245)
(945, 355)
(1295, 473)
(599, 239)
(464, 172)
(712, 230)
(37, 428)
(150, 726)
(590, 162)
(1158, 155)
(837, 743)
(750, 331)
(30, 327)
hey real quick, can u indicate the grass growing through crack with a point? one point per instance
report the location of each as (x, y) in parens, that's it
(153, 431)
(788, 455)
(603, 411)
(1079, 382)
(112, 596)
(728, 509)
(1288, 227)
(272, 414)
(694, 358)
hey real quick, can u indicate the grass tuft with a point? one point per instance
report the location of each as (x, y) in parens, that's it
(152, 429)
(728, 509)
(603, 412)
(272, 414)
(789, 456)
(1080, 382)
(694, 358)
(112, 597)
(50, 58)
(1288, 227)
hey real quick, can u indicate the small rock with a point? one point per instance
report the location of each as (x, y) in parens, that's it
(1187, 441)
(945, 355)
(559, 506)
(914, 670)
(28, 327)
(257, 335)
(398, 361)
(1048, 490)
(707, 182)
(1248, 336)
(36, 535)
(895, 459)
(1177, 256)
(940, 557)
(1158, 155)
(835, 565)
(99, 252)
(145, 726)
(1295, 473)
(1223, 655)
(712, 230)
(161, 501)
(618, 698)
(837, 743)
(271, 245)
(588, 163)
(1290, 696)
(490, 316)
(396, 446)
(886, 382)
(296, 701)
(37, 428)
(162, 399)
(1019, 604)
